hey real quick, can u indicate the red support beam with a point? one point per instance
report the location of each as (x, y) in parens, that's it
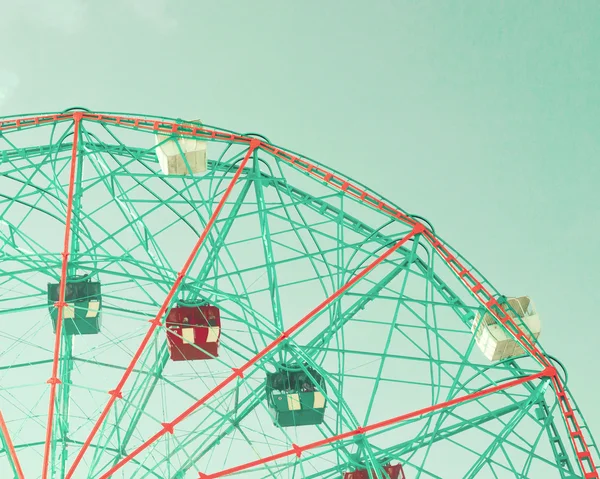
(369, 199)
(54, 380)
(155, 323)
(582, 451)
(238, 372)
(11, 448)
(33, 121)
(474, 285)
(166, 127)
(299, 450)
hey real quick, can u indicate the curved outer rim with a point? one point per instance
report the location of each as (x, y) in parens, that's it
(466, 274)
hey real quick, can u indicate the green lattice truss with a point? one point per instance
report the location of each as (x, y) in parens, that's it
(287, 235)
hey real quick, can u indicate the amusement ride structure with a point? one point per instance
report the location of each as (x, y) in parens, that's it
(182, 301)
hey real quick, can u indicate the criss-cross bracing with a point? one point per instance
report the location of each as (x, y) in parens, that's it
(309, 269)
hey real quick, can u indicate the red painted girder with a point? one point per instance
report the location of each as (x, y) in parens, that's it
(54, 380)
(32, 121)
(11, 448)
(298, 450)
(238, 372)
(368, 198)
(473, 284)
(155, 323)
(167, 127)
(578, 439)
(582, 451)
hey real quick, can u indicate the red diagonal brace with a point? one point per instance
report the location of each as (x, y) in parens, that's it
(254, 143)
(54, 380)
(297, 450)
(335, 181)
(16, 123)
(11, 448)
(117, 394)
(581, 448)
(288, 333)
(498, 312)
(168, 127)
(471, 282)
(168, 427)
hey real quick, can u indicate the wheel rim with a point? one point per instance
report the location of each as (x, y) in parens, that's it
(290, 234)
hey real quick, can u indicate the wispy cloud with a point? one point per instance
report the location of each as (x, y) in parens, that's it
(64, 16)
(154, 11)
(67, 16)
(74, 16)
(9, 81)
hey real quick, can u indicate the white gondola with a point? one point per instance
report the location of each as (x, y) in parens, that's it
(494, 341)
(171, 160)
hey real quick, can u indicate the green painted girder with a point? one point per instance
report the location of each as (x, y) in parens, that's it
(233, 427)
(61, 427)
(506, 430)
(134, 224)
(230, 422)
(145, 385)
(254, 400)
(373, 234)
(316, 204)
(447, 290)
(563, 461)
(75, 247)
(407, 447)
(9, 458)
(141, 392)
(392, 327)
(113, 451)
(401, 450)
(77, 443)
(183, 219)
(321, 341)
(262, 180)
(426, 265)
(267, 246)
(121, 258)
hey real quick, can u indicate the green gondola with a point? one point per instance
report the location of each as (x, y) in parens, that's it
(82, 314)
(296, 396)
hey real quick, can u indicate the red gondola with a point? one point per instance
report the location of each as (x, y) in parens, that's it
(394, 472)
(193, 332)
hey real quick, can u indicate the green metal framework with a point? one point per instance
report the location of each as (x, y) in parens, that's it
(306, 266)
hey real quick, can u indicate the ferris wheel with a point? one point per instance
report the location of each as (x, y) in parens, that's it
(183, 301)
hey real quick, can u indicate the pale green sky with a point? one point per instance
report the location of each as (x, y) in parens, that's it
(482, 117)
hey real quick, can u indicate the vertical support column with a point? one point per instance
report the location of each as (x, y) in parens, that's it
(298, 450)
(265, 235)
(54, 380)
(10, 448)
(156, 322)
(239, 372)
(485, 457)
(558, 449)
(66, 360)
(578, 440)
(145, 388)
(62, 402)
